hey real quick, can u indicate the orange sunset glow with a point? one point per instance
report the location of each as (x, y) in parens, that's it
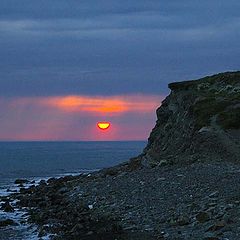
(100, 104)
(86, 103)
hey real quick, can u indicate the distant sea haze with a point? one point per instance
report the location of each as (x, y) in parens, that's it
(49, 159)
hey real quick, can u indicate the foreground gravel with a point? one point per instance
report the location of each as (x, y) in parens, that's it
(197, 201)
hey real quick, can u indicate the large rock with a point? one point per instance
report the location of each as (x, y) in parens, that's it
(21, 181)
(7, 222)
(7, 207)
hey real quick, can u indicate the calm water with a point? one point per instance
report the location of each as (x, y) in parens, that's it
(36, 160)
(44, 159)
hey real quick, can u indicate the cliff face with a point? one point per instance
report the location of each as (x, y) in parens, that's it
(199, 120)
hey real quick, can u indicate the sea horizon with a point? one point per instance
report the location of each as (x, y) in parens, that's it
(50, 158)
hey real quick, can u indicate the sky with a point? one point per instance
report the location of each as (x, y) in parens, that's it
(67, 64)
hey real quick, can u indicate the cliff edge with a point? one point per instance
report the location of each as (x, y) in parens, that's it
(200, 119)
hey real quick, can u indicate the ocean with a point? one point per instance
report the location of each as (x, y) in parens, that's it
(50, 159)
(42, 160)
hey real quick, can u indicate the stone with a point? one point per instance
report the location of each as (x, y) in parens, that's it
(202, 217)
(6, 207)
(210, 236)
(77, 228)
(183, 220)
(228, 218)
(21, 181)
(161, 179)
(90, 206)
(7, 222)
(163, 163)
(42, 183)
(217, 226)
(63, 190)
(213, 194)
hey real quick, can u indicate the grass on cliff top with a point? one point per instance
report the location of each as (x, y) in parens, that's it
(209, 106)
(216, 95)
(229, 119)
(226, 77)
(205, 109)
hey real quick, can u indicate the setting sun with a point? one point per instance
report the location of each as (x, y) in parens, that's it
(103, 125)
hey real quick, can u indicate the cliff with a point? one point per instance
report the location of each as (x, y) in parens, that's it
(199, 120)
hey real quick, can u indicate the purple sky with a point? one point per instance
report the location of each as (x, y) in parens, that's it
(67, 64)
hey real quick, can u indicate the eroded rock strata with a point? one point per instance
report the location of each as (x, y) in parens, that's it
(198, 120)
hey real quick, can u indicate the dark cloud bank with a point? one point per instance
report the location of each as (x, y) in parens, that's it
(113, 47)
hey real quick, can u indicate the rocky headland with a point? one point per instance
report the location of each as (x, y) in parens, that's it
(184, 185)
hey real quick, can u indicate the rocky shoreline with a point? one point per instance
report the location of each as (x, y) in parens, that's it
(184, 186)
(199, 201)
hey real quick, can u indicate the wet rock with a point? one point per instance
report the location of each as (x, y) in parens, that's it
(51, 180)
(7, 222)
(43, 230)
(42, 183)
(22, 189)
(21, 181)
(7, 207)
(29, 190)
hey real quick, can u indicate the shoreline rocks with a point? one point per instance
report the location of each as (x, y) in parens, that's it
(7, 222)
(171, 202)
(21, 181)
(7, 207)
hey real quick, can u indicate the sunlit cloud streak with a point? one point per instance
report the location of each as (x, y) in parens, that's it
(95, 104)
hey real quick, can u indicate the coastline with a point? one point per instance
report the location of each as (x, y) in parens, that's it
(157, 203)
(84, 154)
(20, 228)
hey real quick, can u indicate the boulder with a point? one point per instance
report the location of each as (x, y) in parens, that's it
(7, 222)
(6, 207)
(21, 181)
